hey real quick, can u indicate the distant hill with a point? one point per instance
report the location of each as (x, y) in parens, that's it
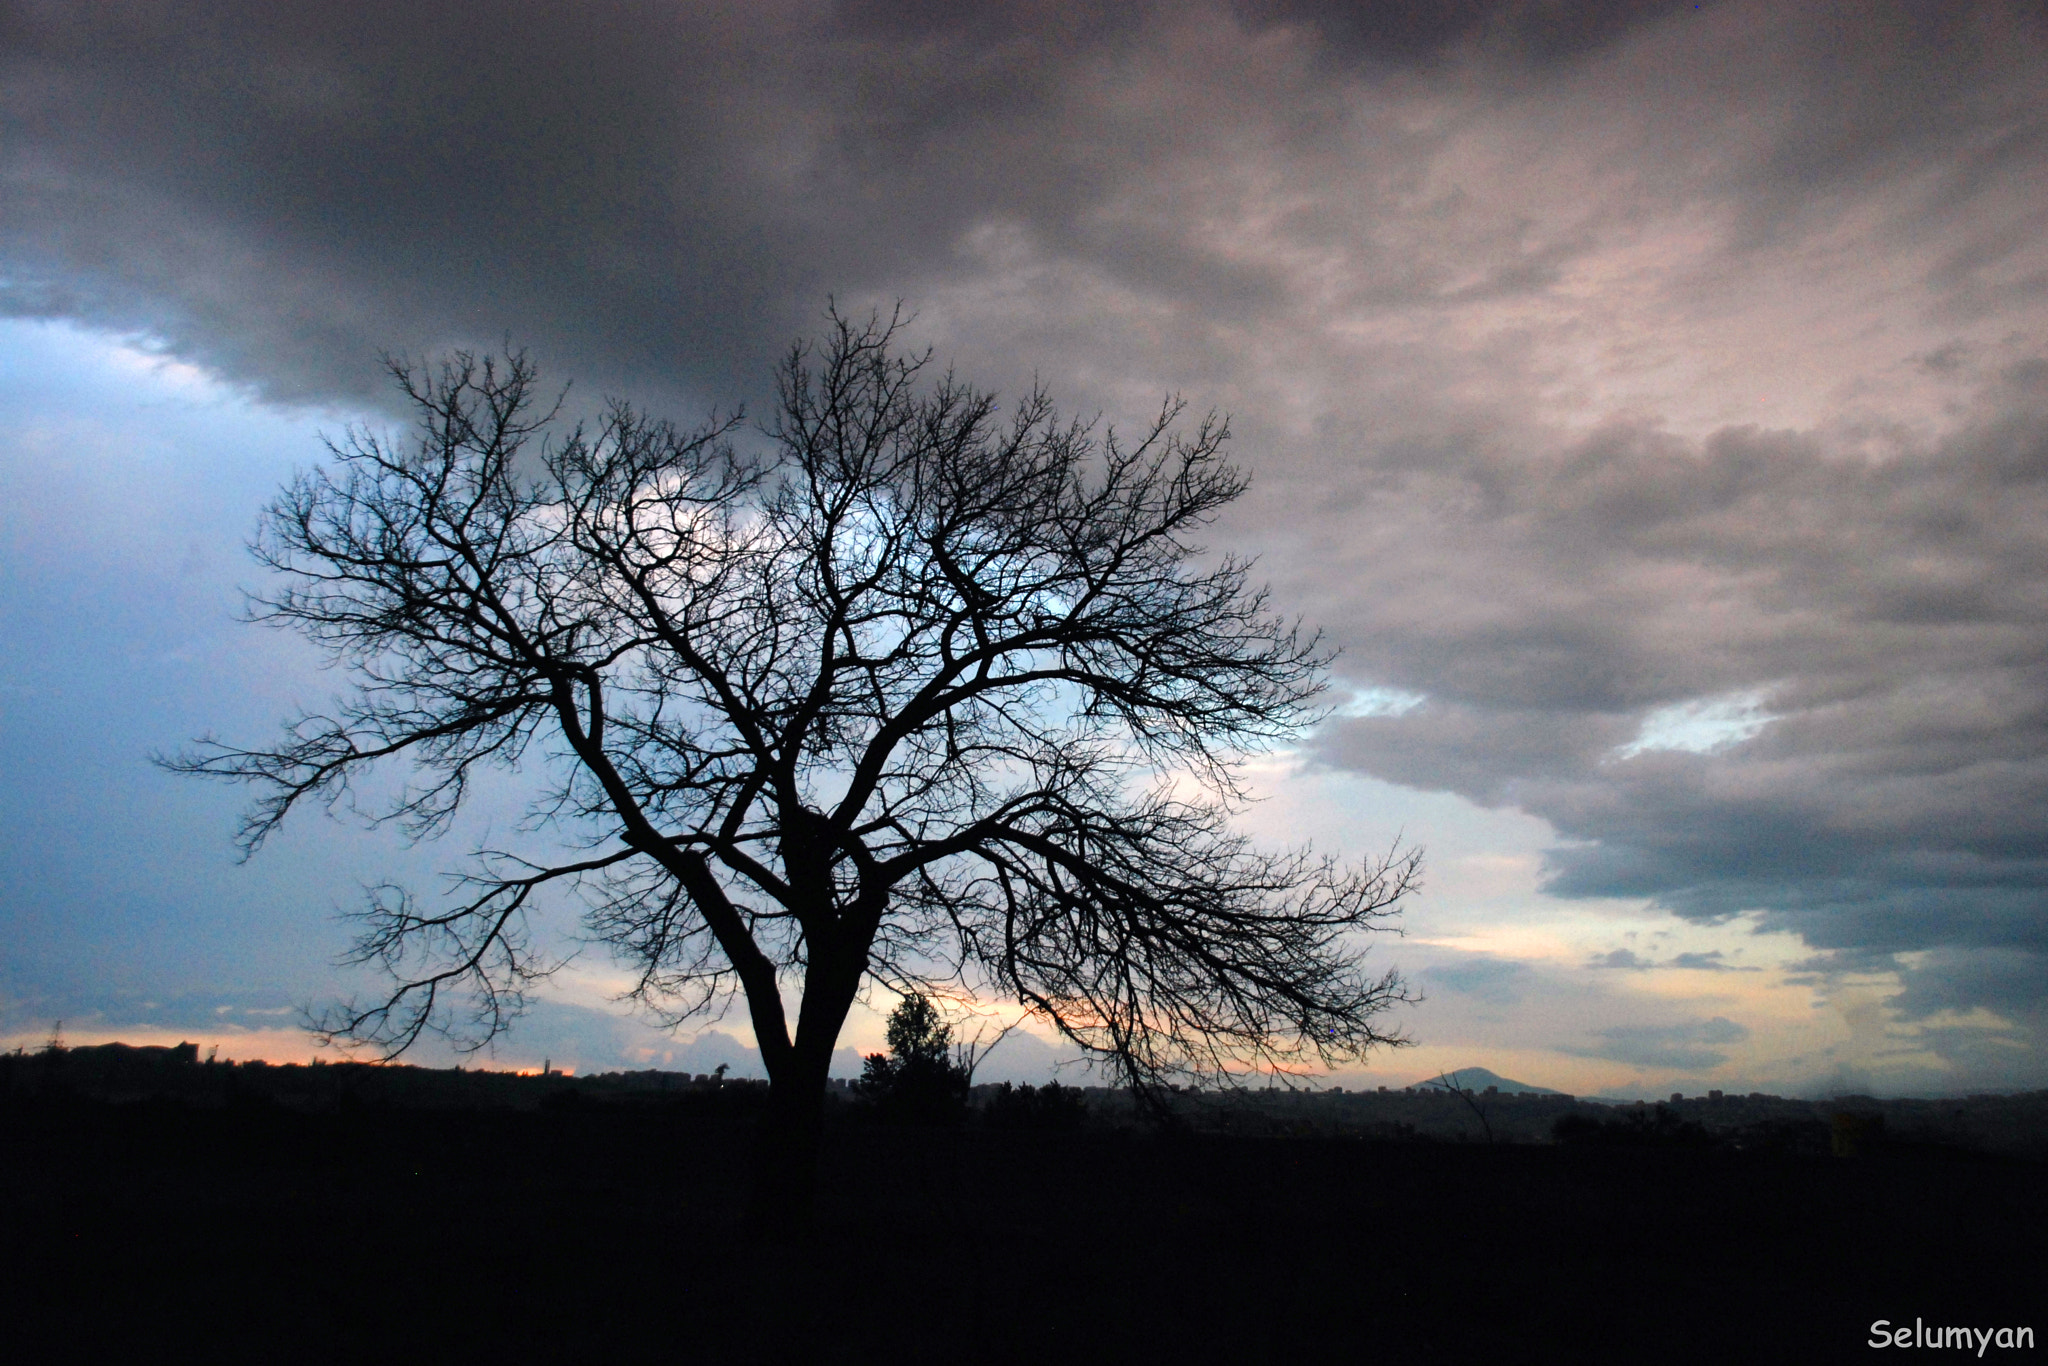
(1478, 1079)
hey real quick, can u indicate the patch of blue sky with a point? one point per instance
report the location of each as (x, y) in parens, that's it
(1704, 725)
(132, 484)
(1379, 701)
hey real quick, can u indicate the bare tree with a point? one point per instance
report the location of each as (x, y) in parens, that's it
(919, 694)
(970, 1054)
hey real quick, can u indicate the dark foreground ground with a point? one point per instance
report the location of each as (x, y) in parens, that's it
(158, 1230)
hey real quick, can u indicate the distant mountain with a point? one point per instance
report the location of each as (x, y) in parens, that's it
(1478, 1079)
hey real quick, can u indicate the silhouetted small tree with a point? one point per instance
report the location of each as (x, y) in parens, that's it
(917, 1081)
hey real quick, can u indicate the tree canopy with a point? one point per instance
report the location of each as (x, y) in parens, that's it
(899, 687)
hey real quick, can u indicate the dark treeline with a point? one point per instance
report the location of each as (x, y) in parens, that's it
(2011, 1125)
(149, 1199)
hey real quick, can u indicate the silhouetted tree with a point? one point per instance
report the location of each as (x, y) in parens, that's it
(918, 694)
(917, 1081)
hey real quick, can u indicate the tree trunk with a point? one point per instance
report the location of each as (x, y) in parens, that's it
(785, 1177)
(784, 1190)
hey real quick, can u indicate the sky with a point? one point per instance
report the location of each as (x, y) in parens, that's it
(1650, 400)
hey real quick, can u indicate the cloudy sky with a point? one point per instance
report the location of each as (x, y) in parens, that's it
(1651, 399)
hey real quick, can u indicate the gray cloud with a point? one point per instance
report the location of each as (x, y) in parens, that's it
(1421, 32)
(1891, 614)
(1688, 1045)
(1630, 961)
(90, 1010)
(1500, 981)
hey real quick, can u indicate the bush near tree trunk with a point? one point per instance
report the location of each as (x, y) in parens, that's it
(917, 1081)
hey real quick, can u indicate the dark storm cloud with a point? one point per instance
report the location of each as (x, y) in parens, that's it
(663, 194)
(279, 191)
(660, 194)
